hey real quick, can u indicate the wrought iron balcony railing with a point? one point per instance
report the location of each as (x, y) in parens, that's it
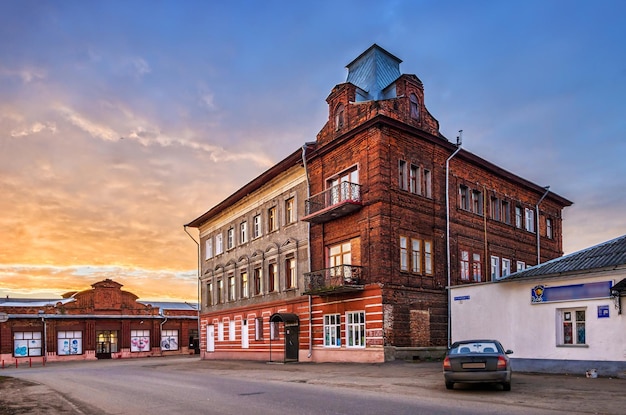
(336, 201)
(333, 280)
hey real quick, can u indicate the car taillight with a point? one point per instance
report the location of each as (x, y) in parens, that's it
(447, 365)
(501, 362)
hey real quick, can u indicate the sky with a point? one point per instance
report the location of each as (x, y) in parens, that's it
(121, 121)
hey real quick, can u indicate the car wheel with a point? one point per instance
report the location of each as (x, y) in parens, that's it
(506, 386)
(449, 385)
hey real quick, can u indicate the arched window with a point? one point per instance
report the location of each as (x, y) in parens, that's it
(339, 117)
(415, 107)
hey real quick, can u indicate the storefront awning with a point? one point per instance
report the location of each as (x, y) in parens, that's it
(290, 319)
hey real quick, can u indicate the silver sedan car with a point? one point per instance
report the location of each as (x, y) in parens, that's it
(477, 361)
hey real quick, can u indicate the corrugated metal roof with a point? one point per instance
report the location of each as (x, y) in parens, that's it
(373, 71)
(33, 302)
(605, 255)
(167, 305)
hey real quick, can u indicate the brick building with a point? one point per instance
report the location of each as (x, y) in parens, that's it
(394, 214)
(103, 322)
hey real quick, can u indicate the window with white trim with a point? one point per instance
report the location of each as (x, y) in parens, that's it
(290, 212)
(272, 219)
(428, 258)
(477, 271)
(257, 226)
(245, 291)
(506, 267)
(272, 275)
(495, 268)
(169, 339)
(208, 248)
(290, 273)
(520, 266)
(69, 342)
(572, 328)
(332, 330)
(530, 219)
(518, 217)
(27, 343)
(549, 229)
(219, 247)
(232, 293)
(140, 341)
(258, 281)
(416, 256)
(243, 232)
(274, 330)
(465, 274)
(209, 294)
(404, 254)
(230, 238)
(220, 331)
(220, 290)
(355, 329)
(427, 187)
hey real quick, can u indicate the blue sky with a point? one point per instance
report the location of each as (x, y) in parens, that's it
(120, 121)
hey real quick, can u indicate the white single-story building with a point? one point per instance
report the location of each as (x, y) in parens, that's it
(562, 316)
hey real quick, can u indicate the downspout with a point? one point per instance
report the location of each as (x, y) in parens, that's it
(45, 340)
(199, 273)
(459, 143)
(537, 223)
(308, 245)
(162, 323)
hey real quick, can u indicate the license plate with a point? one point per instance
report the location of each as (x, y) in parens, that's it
(480, 365)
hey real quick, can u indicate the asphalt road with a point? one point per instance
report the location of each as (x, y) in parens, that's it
(182, 385)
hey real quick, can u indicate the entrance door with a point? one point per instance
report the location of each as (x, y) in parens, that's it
(210, 338)
(292, 343)
(106, 343)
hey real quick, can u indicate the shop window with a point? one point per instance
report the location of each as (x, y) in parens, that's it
(572, 327)
(169, 339)
(27, 343)
(69, 342)
(140, 340)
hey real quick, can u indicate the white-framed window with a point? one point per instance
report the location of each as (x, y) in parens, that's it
(416, 256)
(506, 267)
(245, 291)
(219, 247)
(530, 219)
(404, 254)
(332, 330)
(27, 343)
(342, 186)
(208, 248)
(272, 219)
(290, 273)
(169, 339)
(220, 331)
(402, 175)
(290, 210)
(572, 328)
(257, 226)
(140, 340)
(477, 271)
(232, 293)
(355, 329)
(518, 217)
(339, 255)
(231, 330)
(258, 328)
(495, 268)
(520, 266)
(243, 232)
(549, 229)
(69, 342)
(230, 238)
(465, 266)
(274, 330)
(428, 258)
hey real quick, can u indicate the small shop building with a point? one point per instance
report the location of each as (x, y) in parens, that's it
(104, 322)
(562, 316)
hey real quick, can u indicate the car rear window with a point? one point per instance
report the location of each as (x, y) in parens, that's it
(476, 347)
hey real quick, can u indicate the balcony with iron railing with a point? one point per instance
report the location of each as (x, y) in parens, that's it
(334, 280)
(334, 202)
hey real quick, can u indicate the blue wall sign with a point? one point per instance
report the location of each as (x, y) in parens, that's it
(543, 294)
(462, 297)
(603, 311)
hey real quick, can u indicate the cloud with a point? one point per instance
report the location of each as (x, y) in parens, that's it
(27, 74)
(35, 128)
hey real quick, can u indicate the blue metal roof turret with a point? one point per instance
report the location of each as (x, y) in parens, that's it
(372, 72)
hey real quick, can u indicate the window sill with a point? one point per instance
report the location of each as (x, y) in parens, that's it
(575, 346)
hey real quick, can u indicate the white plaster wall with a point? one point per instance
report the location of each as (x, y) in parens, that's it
(504, 311)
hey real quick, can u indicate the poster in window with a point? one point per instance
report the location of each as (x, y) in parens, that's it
(70, 346)
(139, 343)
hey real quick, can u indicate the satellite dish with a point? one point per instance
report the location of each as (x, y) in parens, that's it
(4, 317)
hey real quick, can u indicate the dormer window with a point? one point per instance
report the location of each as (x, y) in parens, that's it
(339, 117)
(415, 107)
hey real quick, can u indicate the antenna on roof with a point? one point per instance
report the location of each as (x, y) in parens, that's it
(459, 138)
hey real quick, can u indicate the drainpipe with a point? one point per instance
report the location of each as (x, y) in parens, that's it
(199, 273)
(308, 245)
(162, 323)
(45, 339)
(537, 223)
(459, 143)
